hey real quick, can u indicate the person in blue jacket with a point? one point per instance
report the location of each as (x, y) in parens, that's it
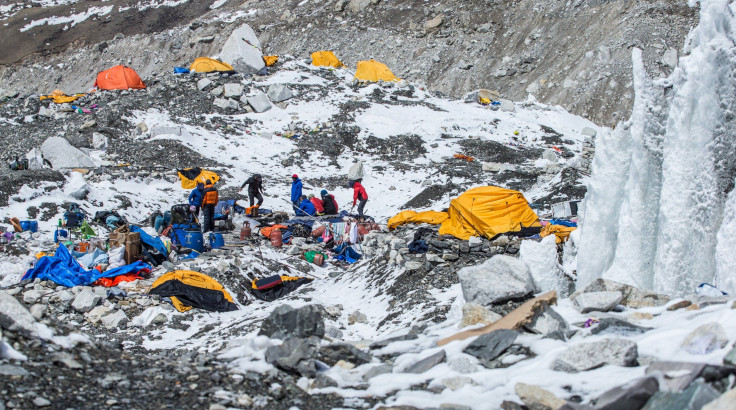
(306, 207)
(195, 197)
(296, 192)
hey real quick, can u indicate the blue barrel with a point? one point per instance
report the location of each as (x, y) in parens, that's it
(191, 239)
(29, 226)
(216, 240)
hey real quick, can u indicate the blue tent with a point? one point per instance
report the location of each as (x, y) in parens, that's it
(156, 243)
(64, 270)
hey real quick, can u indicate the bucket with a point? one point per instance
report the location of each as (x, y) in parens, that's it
(216, 240)
(319, 259)
(276, 238)
(190, 239)
(29, 226)
(245, 231)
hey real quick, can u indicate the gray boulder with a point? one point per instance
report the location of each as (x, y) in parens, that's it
(115, 319)
(490, 346)
(259, 102)
(499, 279)
(15, 317)
(285, 322)
(99, 141)
(597, 301)
(233, 90)
(629, 396)
(333, 353)
(632, 297)
(693, 398)
(279, 92)
(588, 356)
(616, 326)
(507, 106)
(356, 6)
(427, 363)
(85, 301)
(727, 401)
(536, 397)
(705, 339)
(295, 356)
(549, 323)
(203, 83)
(61, 154)
(377, 370)
(242, 50)
(225, 104)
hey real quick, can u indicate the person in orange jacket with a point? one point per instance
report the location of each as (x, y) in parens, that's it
(210, 198)
(360, 196)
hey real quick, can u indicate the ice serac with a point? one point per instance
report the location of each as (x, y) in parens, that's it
(660, 181)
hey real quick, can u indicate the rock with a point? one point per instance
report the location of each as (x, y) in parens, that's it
(295, 355)
(38, 311)
(612, 325)
(588, 356)
(357, 317)
(457, 382)
(413, 265)
(377, 370)
(233, 90)
(340, 5)
(705, 339)
(141, 128)
(15, 317)
(632, 395)
(536, 397)
(322, 380)
(67, 360)
(225, 104)
(96, 314)
(427, 363)
(85, 300)
(489, 346)
(10, 370)
(383, 343)
(474, 314)
(115, 320)
(243, 50)
(279, 92)
(41, 402)
(217, 91)
(550, 155)
(259, 102)
(286, 321)
(87, 125)
(632, 297)
(331, 354)
(727, 401)
(245, 400)
(99, 141)
(462, 365)
(356, 6)
(203, 83)
(61, 154)
(549, 323)
(464, 65)
(32, 296)
(46, 112)
(507, 106)
(159, 320)
(597, 301)
(588, 132)
(670, 57)
(694, 397)
(434, 24)
(499, 279)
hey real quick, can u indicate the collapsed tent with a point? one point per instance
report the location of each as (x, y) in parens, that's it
(64, 270)
(188, 289)
(58, 97)
(208, 65)
(427, 217)
(270, 60)
(190, 176)
(275, 287)
(372, 70)
(119, 77)
(488, 211)
(561, 232)
(326, 59)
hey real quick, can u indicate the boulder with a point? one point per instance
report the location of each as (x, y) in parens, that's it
(597, 301)
(670, 57)
(632, 395)
(295, 355)
(435, 23)
(549, 323)
(705, 339)
(356, 6)
(94, 315)
(490, 346)
(588, 356)
(499, 279)
(85, 301)
(616, 326)
(38, 311)
(115, 320)
(99, 141)
(203, 83)
(32, 296)
(632, 297)
(243, 50)
(333, 353)
(279, 92)
(730, 358)
(233, 90)
(259, 102)
(507, 105)
(536, 397)
(15, 317)
(727, 401)
(694, 397)
(427, 363)
(285, 322)
(357, 317)
(457, 382)
(474, 314)
(61, 154)
(377, 370)
(226, 104)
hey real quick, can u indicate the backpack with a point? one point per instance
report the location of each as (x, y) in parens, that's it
(74, 216)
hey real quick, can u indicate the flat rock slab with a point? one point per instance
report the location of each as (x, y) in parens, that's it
(694, 397)
(333, 353)
(632, 297)
(597, 301)
(61, 154)
(286, 321)
(705, 339)
(489, 346)
(499, 279)
(589, 356)
(628, 396)
(427, 363)
(617, 326)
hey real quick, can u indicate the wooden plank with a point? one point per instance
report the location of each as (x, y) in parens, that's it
(514, 320)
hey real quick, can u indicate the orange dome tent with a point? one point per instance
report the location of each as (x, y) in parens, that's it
(119, 77)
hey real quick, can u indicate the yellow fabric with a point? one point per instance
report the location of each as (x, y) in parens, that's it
(270, 60)
(484, 101)
(326, 59)
(488, 211)
(208, 65)
(58, 97)
(372, 70)
(40, 255)
(191, 278)
(561, 232)
(203, 176)
(427, 217)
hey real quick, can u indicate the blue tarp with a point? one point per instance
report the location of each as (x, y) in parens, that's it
(149, 240)
(181, 70)
(346, 253)
(563, 222)
(64, 270)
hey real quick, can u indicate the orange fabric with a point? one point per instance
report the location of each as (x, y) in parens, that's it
(266, 230)
(270, 60)
(211, 197)
(128, 277)
(465, 157)
(249, 210)
(119, 77)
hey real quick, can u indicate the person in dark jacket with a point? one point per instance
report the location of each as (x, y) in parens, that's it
(296, 191)
(329, 203)
(360, 196)
(255, 189)
(210, 198)
(195, 197)
(306, 207)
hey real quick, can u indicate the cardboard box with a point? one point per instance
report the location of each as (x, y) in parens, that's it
(132, 243)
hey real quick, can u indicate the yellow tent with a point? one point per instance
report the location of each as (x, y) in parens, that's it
(188, 289)
(270, 60)
(190, 176)
(372, 70)
(488, 211)
(59, 97)
(208, 65)
(326, 58)
(428, 217)
(562, 233)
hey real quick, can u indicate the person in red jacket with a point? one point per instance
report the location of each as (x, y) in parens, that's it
(359, 196)
(319, 206)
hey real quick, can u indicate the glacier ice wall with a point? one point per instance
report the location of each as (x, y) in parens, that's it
(656, 213)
